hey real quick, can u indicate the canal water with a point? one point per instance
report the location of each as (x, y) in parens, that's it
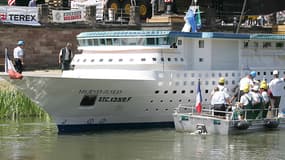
(38, 140)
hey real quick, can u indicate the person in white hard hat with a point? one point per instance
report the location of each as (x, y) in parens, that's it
(276, 89)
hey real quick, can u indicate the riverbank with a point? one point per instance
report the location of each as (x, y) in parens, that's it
(14, 104)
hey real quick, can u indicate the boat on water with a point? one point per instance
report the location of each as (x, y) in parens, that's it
(132, 79)
(186, 119)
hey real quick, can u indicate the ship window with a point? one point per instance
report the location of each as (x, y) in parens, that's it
(90, 42)
(140, 41)
(78, 60)
(264, 73)
(185, 75)
(191, 91)
(154, 59)
(226, 74)
(201, 43)
(181, 59)
(266, 44)
(179, 42)
(132, 41)
(95, 41)
(88, 100)
(177, 83)
(279, 45)
(92, 60)
(206, 91)
(169, 59)
(175, 59)
(213, 74)
(233, 74)
(192, 83)
(143, 59)
(185, 83)
(245, 44)
(110, 60)
(101, 60)
(150, 41)
(165, 92)
(162, 59)
(116, 41)
(233, 82)
(192, 74)
(124, 41)
(120, 60)
(213, 82)
(109, 41)
(255, 44)
(131, 59)
(102, 41)
(206, 83)
(174, 92)
(156, 92)
(84, 60)
(183, 91)
(162, 41)
(201, 59)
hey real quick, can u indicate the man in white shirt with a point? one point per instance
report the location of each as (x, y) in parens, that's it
(219, 101)
(19, 56)
(276, 88)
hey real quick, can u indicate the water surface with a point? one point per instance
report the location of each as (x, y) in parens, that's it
(38, 140)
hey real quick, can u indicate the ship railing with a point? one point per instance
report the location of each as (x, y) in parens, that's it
(232, 112)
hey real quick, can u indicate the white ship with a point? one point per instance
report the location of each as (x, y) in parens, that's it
(135, 79)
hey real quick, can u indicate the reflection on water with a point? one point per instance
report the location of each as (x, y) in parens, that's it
(38, 140)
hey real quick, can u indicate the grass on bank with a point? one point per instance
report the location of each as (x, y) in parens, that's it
(14, 104)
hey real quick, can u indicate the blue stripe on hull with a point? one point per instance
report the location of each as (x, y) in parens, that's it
(103, 127)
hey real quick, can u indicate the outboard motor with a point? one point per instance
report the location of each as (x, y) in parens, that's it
(242, 125)
(271, 123)
(201, 129)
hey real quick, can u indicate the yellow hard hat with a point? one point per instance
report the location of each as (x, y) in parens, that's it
(222, 80)
(246, 88)
(263, 85)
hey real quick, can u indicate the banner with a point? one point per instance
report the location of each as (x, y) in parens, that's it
(19, 15)
(67, 16)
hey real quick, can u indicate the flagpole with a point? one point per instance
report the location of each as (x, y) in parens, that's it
(6, 60)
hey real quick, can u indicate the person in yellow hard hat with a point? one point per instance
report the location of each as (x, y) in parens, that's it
(246, 102)
(222, 88)
(263, 91)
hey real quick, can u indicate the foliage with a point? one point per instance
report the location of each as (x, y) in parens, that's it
(14, 104)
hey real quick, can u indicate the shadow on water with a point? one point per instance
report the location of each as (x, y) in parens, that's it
(38, 140)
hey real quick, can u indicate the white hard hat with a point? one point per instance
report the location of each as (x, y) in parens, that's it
(275, 72)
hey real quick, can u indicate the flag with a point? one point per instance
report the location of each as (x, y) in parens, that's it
(198, 99)
(10, 69)
(11, 2)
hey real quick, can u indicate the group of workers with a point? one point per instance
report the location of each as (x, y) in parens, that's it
(252, 100)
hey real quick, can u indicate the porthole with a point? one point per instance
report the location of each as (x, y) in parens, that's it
(92, 60)
(84, 60)
(156, 92)
(185, 75)
(192, 83)
(206, 91)
(180, 100)
(120, 60)
(110, 60)
(101, 60)
(174, 92)
(233, 74)
(169, 59)
(143, 59)
(175, 59)
(181, 59)
(131, 59)
(226, 74)
(146, 109)
(165, 92)
(233, 82)
(191, 91)
(161, 101)
(162, 59)
(151, 101)
(192, 74)
(183, 91)
(156, 109)
(213, 82)
(78, 60)
(206, 82)
(213, 74)
(153, 59)
(170, 100)
(166, 109)
(189, 100)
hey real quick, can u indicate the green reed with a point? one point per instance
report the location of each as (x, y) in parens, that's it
(14, 104)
